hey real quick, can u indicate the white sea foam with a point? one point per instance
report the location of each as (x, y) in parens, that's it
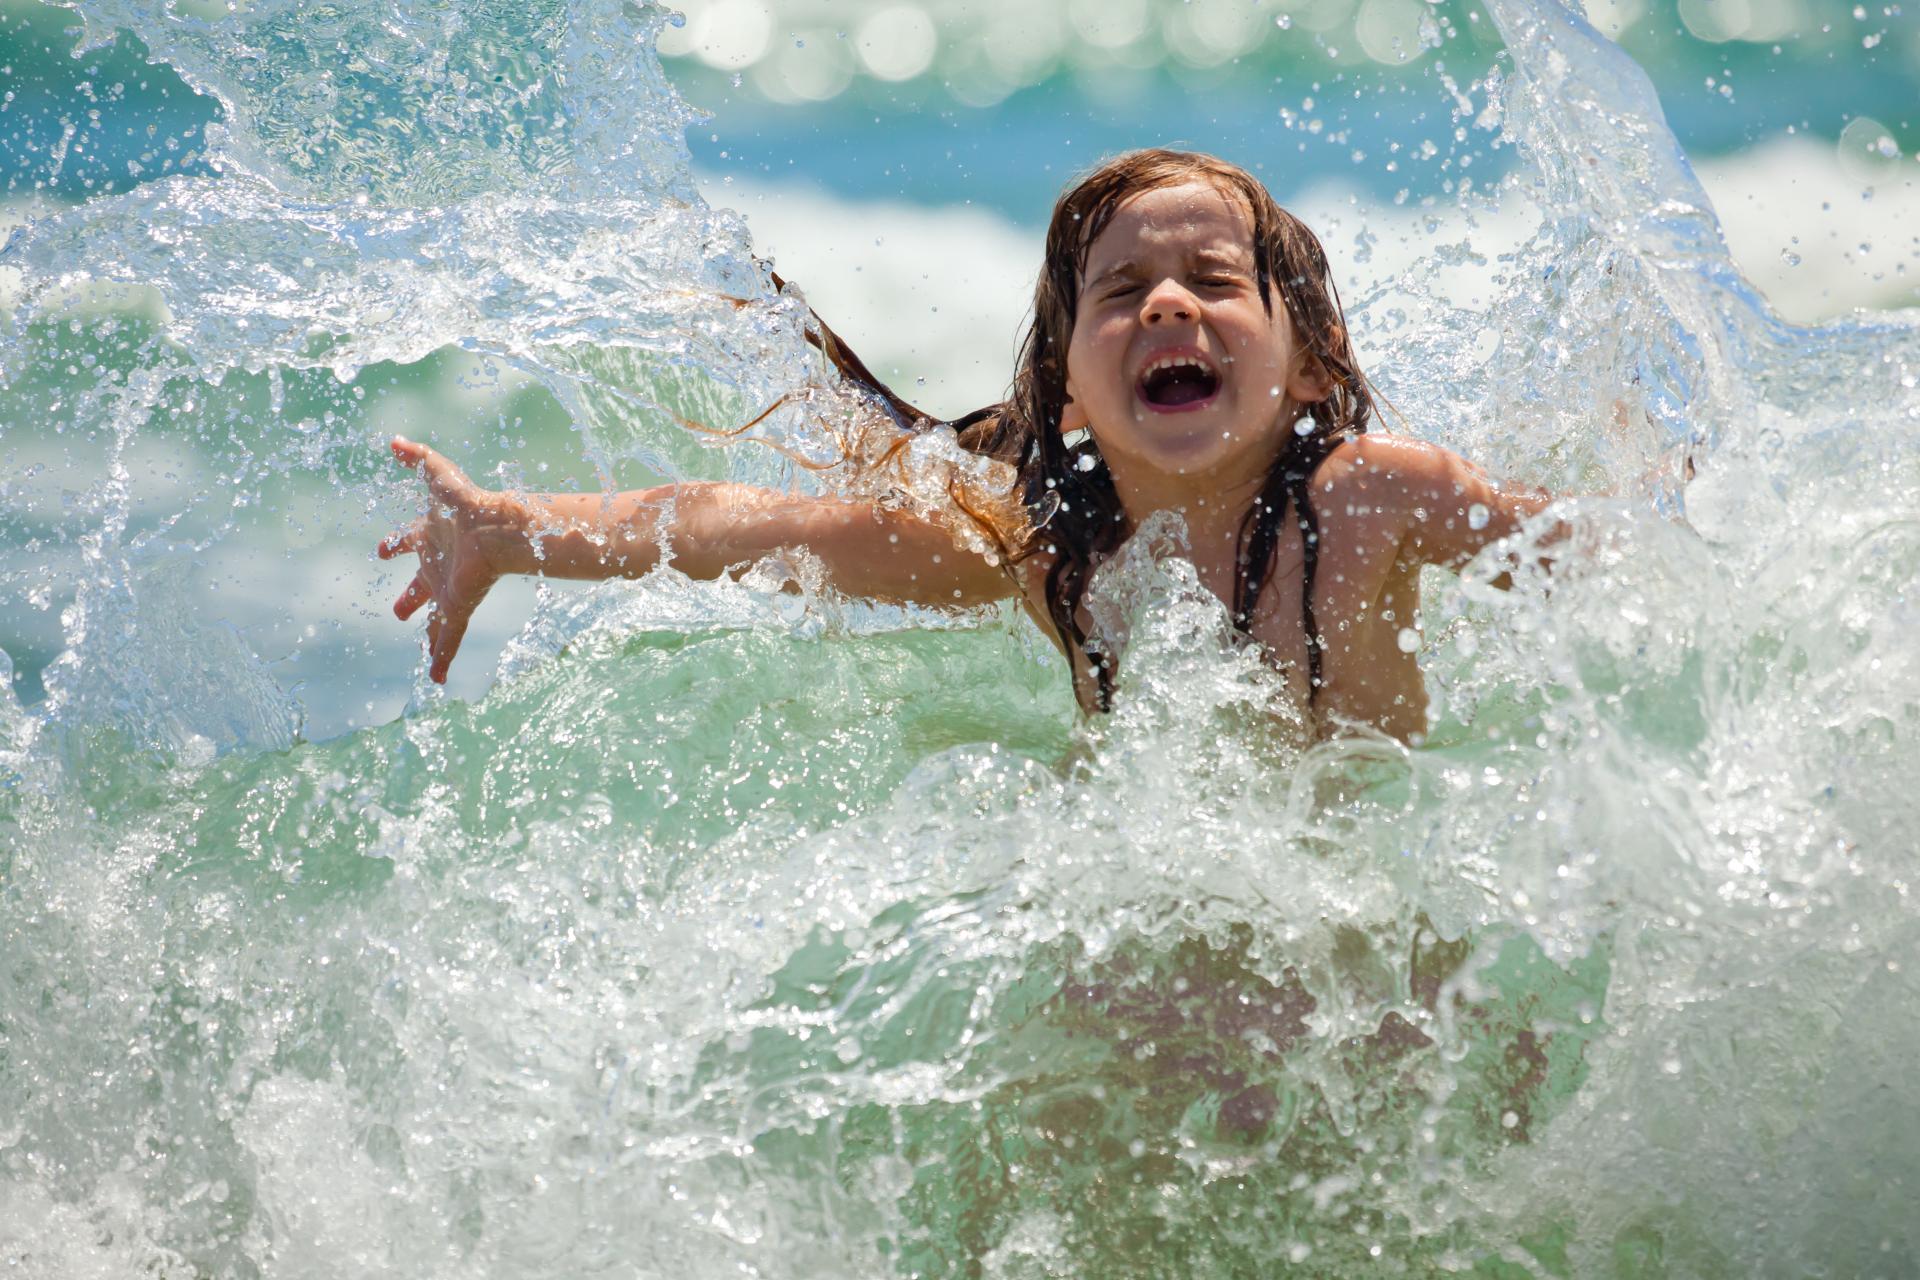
(1818, 232)
(731, 935)
(932, 297)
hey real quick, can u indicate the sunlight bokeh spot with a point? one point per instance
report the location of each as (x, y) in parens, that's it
(1389, 30)
(814, 66)
(1716, 20)
(1613, 17)
(729, 35)
(1109, 24)
(897, 43)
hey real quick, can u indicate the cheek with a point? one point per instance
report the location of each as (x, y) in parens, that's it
(1090, 365)
(1105, 342)
(1256, 342)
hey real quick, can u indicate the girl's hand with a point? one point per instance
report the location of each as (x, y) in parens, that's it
(463, 544)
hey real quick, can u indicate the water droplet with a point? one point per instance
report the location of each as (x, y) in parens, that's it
(1087, 462)
(1408, 640)
(1478, 516)
(1284, 21)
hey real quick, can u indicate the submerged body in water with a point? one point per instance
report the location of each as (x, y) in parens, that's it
(747, 930)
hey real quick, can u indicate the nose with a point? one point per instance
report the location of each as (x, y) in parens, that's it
(1168, 303)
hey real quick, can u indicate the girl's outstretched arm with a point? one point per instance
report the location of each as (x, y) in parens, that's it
(472, 537)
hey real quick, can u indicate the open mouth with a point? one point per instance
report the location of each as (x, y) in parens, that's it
(1172, 383)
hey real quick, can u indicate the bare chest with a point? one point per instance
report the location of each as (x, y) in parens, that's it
(1360, 606)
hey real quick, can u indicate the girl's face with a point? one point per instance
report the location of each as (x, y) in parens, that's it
(1175, 364)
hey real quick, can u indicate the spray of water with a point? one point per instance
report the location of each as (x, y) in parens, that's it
(740, 930)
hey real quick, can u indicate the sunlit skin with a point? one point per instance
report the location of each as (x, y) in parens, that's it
(1171, 274)
(1174, 273)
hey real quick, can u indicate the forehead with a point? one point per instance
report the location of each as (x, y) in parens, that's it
(1193, 216)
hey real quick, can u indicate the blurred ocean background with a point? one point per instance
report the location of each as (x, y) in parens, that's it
(898, 162)
(704, 929)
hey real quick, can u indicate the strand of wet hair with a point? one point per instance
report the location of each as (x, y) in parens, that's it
(1310, 562)
(1087, 506)
(850, 366)
(1288, 486)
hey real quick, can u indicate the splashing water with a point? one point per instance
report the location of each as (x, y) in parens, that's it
(736, 931)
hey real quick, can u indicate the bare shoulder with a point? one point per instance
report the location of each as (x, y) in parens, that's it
(1381, 482)
(1385, 466)
(1440, 507)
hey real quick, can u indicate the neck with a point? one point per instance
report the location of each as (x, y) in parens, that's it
(1214, 508)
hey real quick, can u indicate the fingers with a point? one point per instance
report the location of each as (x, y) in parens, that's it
(406, 542)
(446, 481)
(445, 630)
(416, 594)
(446, 627)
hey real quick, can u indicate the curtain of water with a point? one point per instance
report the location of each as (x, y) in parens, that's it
(739, 932)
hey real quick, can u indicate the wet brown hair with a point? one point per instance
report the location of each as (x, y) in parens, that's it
(1075, 513)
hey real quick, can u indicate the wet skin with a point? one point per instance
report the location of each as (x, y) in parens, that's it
(1172, 277)
(1169, 279)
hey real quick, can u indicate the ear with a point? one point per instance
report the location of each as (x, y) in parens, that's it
(1072, 416)
(1311, 381)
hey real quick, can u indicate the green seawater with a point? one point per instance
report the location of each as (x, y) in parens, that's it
(736, 928)
(458, 952)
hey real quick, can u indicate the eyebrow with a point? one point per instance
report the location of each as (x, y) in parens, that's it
(1210, 256)
(1119, 268)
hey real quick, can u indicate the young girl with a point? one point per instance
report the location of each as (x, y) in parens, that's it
(1187, 354)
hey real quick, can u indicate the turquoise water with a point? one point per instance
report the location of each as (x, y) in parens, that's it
(729, 929)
